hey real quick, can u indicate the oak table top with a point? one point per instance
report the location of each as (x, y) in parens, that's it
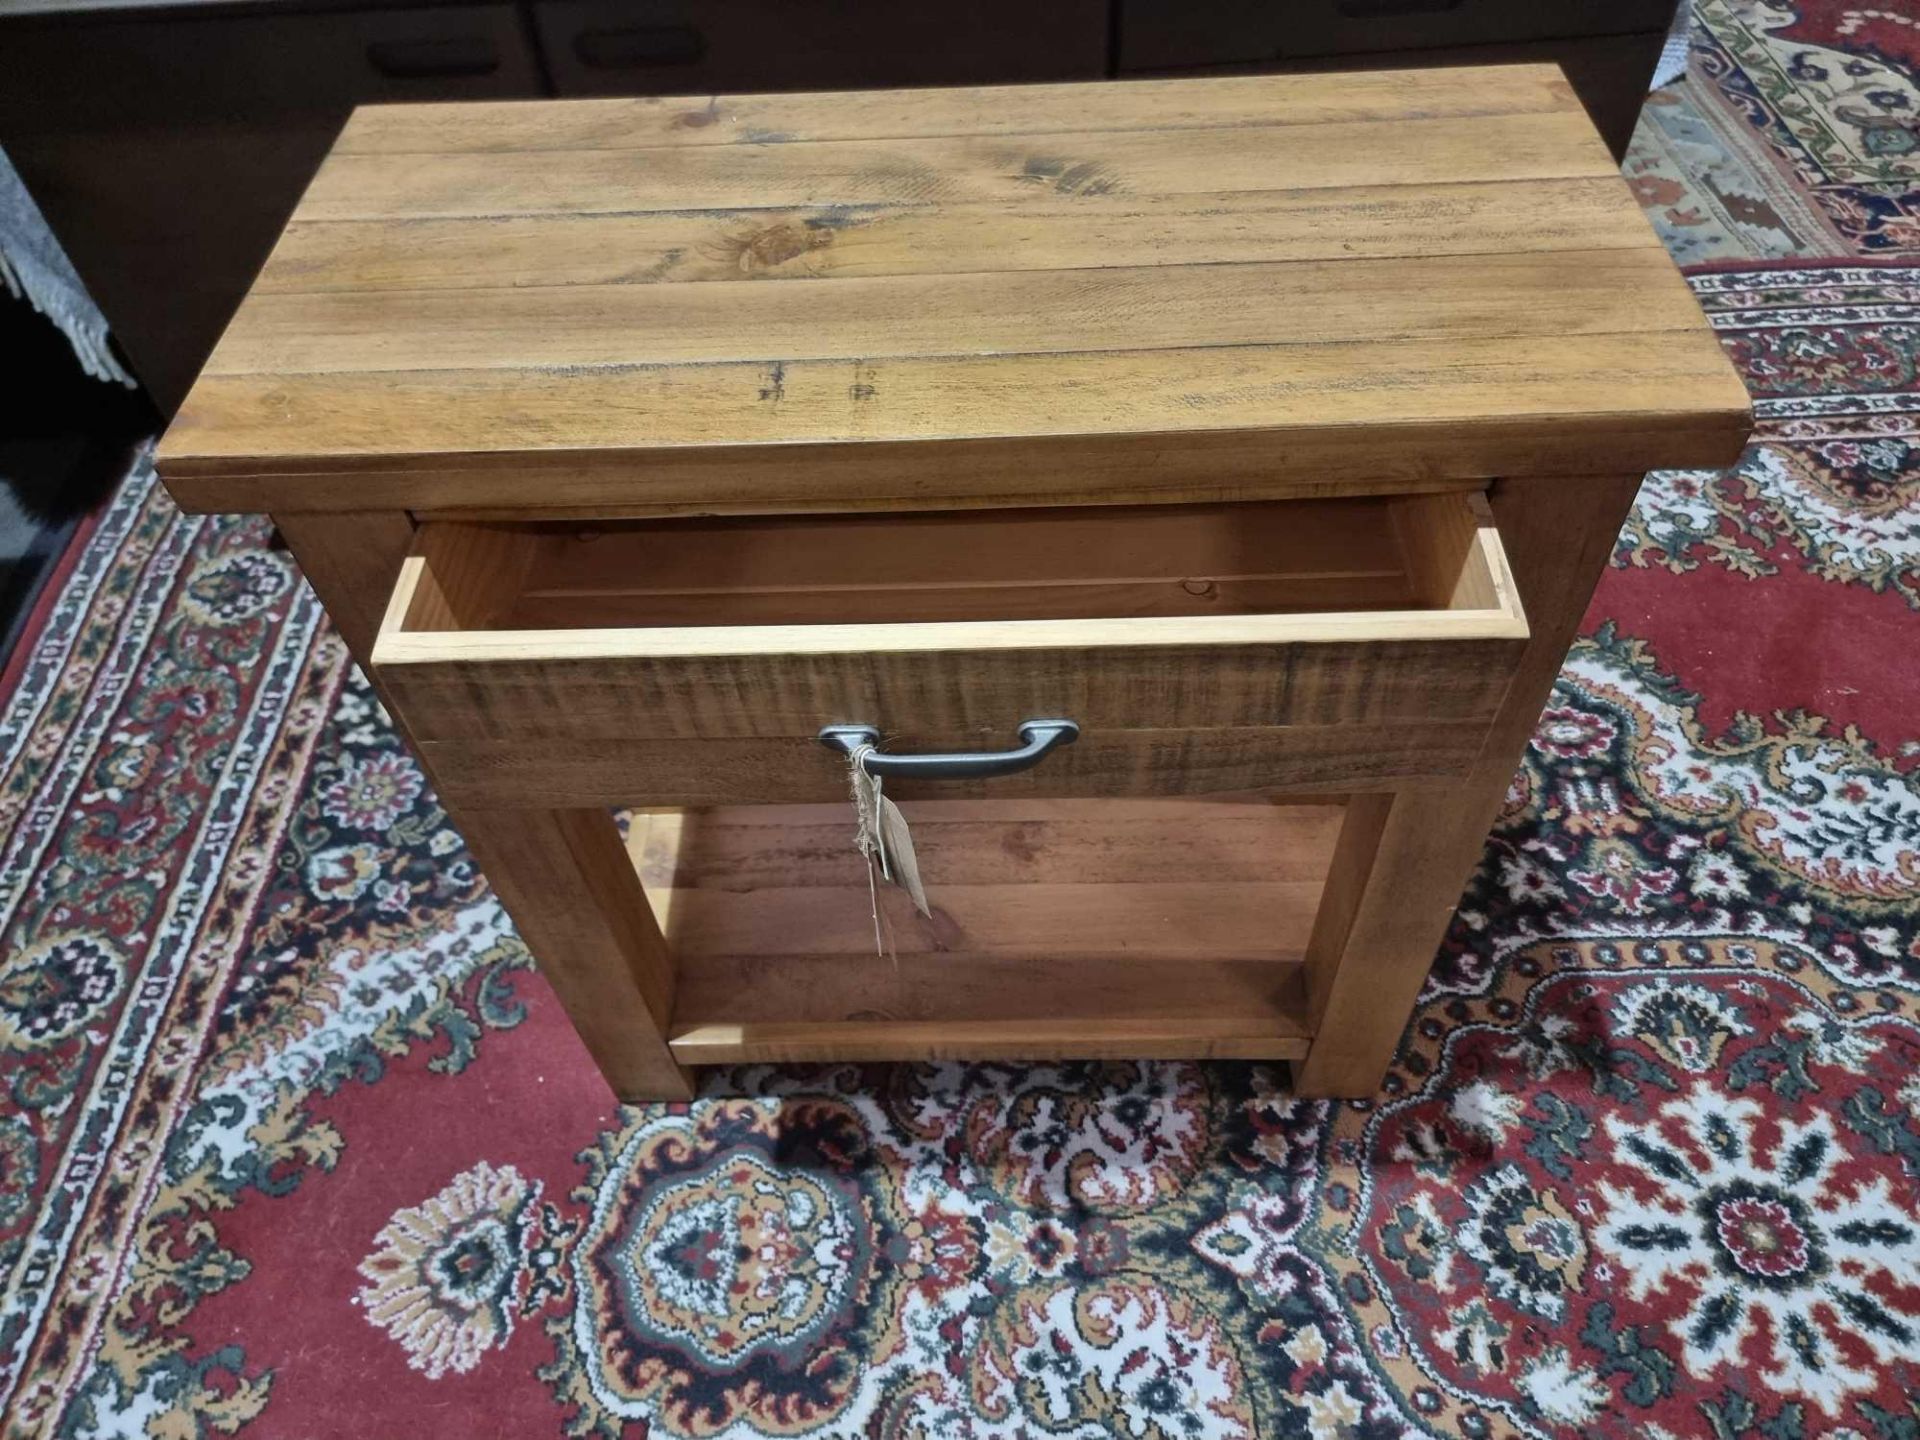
(1218, 288)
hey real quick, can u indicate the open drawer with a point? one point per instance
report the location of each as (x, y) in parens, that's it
(1331, 645)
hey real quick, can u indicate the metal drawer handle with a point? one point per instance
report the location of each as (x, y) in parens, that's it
(637, 46)
(450, 58)
(1379, 9)
(1041, 736)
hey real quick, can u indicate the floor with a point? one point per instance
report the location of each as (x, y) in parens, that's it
(295, 1143)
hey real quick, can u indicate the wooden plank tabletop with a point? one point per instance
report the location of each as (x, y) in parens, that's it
(1148, 289)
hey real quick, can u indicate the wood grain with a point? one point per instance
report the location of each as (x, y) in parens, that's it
(1082, 232)
(1349, 875)
(1263, 1032)
(797, 769)
(1413, 456)
(1064, 563)
(1104, 925)
(470, 584)
(978, 675)
(1032, 312)
(1552, 145)
(1003, 841)
(1175, 294)
(1451, 552)
(352, 561)
(974, 678)
(1059, 928)
(1370, 957)
(1110, 292)
(1220, 423)
(650, 121)
(565, 879)
(1279, 389)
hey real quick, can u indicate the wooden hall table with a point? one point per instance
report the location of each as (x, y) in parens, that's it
(1273, 430)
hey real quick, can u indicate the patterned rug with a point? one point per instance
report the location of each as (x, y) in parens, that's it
(294, 1144)
(1796, 132)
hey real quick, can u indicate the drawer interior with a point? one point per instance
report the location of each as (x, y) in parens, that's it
(1433, 553)
(1060, 928)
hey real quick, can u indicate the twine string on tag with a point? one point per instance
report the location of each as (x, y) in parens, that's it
(866, 833)
(882, 837)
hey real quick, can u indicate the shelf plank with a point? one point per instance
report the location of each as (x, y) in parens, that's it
(1234, 997)
(1073, 929)
(1099, 881)
(778, 1043)
(996, 842)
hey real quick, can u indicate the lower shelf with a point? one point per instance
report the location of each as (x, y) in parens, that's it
(775, 1042)
(1083, 929)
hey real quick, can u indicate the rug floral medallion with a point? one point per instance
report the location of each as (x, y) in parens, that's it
(295, 1144)
(1648, 1159)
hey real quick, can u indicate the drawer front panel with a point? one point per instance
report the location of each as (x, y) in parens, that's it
(1308, 760)
(982, 693)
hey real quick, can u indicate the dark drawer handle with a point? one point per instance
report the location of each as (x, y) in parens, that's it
(449, 58)
(1380, 9)
(635, 47)
(1041, 737)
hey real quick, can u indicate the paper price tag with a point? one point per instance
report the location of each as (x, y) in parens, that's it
(882, 837)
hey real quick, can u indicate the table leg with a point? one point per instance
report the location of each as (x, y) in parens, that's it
(351, 559)
(1403, 859)
(563, 875)
(565, 878)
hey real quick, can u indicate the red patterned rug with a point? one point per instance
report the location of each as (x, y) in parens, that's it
(1796, 132)
(294, 1144)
